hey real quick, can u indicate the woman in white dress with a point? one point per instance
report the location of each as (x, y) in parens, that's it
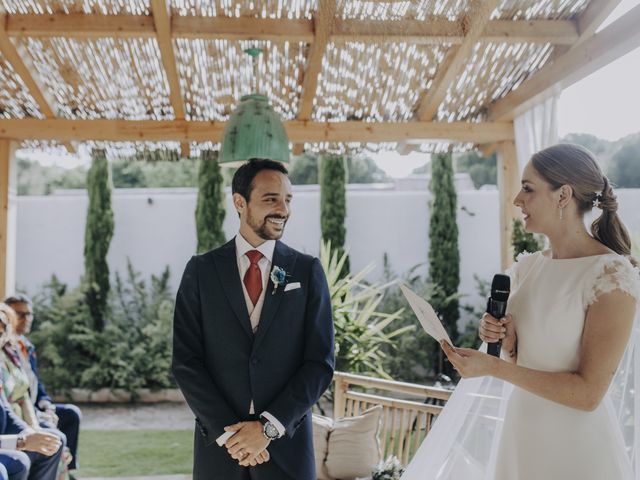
(548, 409)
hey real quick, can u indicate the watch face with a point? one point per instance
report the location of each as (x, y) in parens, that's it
(270, 430)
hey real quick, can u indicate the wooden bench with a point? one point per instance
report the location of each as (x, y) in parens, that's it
(408, 409)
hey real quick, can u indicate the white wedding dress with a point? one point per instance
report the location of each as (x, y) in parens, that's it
(491, 430)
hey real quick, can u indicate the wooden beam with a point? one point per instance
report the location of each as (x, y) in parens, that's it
(557, 32)
(616, 40)
(478, 17)
(243, 28)
(594, 15)
(8, 194)
(434, 32)
(322, 25)
(37, 91)
(80, 25)
(297, 130)
(508, 186)
(162, 22)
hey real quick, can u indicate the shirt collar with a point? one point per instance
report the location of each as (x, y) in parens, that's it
(266, 248)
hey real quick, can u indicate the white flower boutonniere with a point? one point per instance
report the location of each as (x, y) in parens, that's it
(279, 278)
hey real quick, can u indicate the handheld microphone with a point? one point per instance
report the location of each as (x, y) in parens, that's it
(497, 306)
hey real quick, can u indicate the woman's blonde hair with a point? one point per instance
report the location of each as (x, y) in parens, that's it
(7, 317)
(574, 165)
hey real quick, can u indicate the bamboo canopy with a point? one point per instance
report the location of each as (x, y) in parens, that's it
(344, 75)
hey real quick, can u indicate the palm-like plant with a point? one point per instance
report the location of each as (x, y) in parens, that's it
(360, 329)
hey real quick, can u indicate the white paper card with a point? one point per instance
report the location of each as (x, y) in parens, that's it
(426, 315)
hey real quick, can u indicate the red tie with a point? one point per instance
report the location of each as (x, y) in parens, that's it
(253, 277)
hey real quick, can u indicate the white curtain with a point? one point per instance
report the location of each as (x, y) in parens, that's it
(536, 129)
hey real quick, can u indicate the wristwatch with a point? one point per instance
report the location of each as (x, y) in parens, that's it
(20, 442)
(269, 430)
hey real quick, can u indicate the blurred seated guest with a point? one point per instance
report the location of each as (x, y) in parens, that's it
(64, 417)
(25, 453)
(15, 381)
(43, 449)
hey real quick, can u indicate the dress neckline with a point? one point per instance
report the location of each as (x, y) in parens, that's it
(542, 254)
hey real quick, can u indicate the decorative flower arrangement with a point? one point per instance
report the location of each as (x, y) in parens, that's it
(389, 469)
(279, 278)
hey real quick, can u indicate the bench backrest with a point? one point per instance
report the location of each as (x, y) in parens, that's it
(405, 421)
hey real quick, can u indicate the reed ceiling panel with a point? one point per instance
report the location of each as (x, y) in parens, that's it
(15, 99)
(215, 74)
(102, 78)
(361, 81)
(99, 7)
(539, 9)
(292, 9)
(493, 70)
(401, 10)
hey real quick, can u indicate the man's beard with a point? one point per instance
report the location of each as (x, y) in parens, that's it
(261, 229)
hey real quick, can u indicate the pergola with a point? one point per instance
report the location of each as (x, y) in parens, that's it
(424, 75)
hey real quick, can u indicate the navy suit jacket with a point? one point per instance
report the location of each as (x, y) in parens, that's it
(220, 365)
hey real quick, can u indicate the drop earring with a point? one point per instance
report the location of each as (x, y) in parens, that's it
(561, 213)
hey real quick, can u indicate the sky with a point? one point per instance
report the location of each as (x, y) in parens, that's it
(605, 104)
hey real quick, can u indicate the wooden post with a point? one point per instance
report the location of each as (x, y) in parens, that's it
(339, 400)
(8, 192)
(508, 185)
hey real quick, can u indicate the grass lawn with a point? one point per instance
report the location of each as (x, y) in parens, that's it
(113, 453)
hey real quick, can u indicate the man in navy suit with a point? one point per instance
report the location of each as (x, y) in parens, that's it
(253, 341)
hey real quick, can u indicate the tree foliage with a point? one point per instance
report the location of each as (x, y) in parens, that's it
(444, 255)
(482, 170)
(97, 238)
(524, 241)
(333, 202)
(210, 208)
(624, 170)
(361, 169)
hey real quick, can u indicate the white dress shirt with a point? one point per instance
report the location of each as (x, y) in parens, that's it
(266, 249)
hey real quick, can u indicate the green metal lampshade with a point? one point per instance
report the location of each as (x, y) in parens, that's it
(254, 130)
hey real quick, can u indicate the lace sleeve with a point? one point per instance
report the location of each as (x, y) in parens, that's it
(612, 273)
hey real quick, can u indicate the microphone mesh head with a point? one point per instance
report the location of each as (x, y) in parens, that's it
(500, 287)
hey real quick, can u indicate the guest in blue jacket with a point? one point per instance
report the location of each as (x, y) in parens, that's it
(67, 416)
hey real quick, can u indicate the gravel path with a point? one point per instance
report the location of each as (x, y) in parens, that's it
(160, 416)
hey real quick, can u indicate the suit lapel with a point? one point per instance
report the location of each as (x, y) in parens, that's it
(284, 258)
(229, 276)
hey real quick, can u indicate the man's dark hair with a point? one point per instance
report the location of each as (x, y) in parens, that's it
(243, 178)
(17, 298)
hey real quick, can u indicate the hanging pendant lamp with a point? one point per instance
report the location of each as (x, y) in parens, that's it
(254, 129)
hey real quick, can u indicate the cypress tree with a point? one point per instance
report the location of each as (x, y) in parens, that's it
(97, 238)
(444, 256)
(210, 208)
(524, 241)
(333, 203)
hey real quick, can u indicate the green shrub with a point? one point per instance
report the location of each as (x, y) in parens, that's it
(132, 351)
(361, 329)
(414, 357)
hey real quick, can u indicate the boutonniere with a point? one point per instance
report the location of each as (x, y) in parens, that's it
(278, 277)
